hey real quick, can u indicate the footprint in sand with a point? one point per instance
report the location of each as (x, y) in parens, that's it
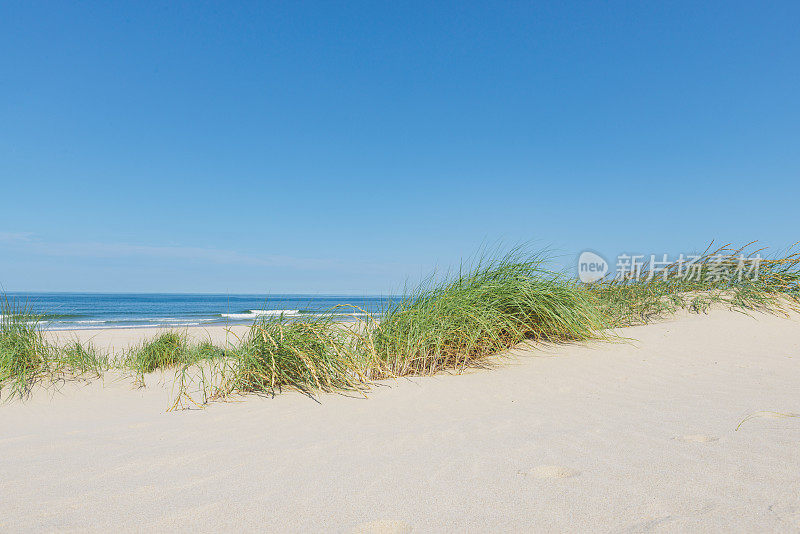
(550, 471)
(383, 526)
(697, 438)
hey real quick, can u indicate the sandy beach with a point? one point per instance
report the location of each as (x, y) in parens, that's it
(635, 436)
(391, 267)
(116, 340)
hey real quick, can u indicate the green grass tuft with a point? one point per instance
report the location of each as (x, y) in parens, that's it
(27, 358)
(629, 302)
(166, 350)
(24, 354)
(481, 311)
(446, 323)
(278, 354)
(203, 351)
(83, 359)
(305, 356)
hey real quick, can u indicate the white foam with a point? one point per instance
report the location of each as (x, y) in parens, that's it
(166, 319)
(110, 327)
(345, 314)
(252, 314)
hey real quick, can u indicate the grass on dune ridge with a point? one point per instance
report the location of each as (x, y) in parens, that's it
(24, 354)
(659, 293)
(450, 322)
(443, 324)
(168, 349)
(481, 310)
(278, 353)
(27, 358)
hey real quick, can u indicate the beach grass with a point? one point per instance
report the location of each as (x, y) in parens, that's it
(448, 322)
(83, 359)
(204, 350)
(485, 307)
(24, 354)
(168, 349)
(278, 353)
(310, 355)
(712, 280)
(481, 310)
(27, 358)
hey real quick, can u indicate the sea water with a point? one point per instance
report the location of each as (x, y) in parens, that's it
(61, 311)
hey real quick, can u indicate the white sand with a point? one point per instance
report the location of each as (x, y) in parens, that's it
(115, 340)
(604, 437)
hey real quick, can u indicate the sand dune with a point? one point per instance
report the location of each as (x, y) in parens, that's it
(118, 339)
(637, 436)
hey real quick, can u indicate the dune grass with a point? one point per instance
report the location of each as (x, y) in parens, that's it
(310, 355)
(83, 359)
(449, 323)
(654, 294)
(482, 310)
(457, 321)
(278, 353)
(24, 354)
(26, 358)
(167, 350)
(446, 323)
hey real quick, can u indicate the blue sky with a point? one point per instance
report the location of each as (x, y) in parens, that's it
(346, 147)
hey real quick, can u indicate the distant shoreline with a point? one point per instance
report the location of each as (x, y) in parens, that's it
(77, 311)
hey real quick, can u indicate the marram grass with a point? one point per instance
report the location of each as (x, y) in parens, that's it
(83, 359)
(167, 350)
(444, 324)
(312, 355)
(24, 354)
(276, 354)
(26, 358)
(448, 323)
(654, 295)
(480, 311)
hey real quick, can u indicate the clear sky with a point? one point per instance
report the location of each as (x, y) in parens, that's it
(345, 147)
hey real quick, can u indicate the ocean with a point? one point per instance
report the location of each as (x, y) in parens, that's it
(63, 311)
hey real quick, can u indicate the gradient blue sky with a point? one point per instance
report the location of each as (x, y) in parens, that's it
(344, 147)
